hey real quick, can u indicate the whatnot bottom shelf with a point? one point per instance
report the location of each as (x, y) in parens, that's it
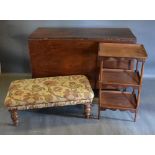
(118, 100)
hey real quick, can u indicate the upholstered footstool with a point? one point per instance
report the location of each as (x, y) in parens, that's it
(48, 92)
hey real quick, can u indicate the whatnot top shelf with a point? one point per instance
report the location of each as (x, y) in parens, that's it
(133, 51)
(120, 78)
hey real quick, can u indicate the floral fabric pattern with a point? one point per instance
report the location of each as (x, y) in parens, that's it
(48, 92)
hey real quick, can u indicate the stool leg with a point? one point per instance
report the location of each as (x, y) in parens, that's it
(14, 117)
(87, 109)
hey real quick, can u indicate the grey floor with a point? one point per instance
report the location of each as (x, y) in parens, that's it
(69, 120)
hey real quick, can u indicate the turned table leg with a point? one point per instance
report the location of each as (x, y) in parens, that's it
(14, 116)
(87, 109)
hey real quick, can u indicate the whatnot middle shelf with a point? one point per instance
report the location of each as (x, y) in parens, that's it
(120, 78)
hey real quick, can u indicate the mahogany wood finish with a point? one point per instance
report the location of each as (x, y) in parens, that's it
(67, 51)
(133, 51)
(118, 100)
(121, 78)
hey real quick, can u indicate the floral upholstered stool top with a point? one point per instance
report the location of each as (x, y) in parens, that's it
(48, 92)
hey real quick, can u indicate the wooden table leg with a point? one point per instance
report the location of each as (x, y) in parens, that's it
(87, 109)
(14, 116)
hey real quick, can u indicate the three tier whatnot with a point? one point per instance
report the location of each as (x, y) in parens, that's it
(121, 88)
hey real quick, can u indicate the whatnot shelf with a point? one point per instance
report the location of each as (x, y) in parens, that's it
(120, 78)
(118, 100)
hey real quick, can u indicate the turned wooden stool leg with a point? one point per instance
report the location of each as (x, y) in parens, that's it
(87, 109)
(14, 116)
